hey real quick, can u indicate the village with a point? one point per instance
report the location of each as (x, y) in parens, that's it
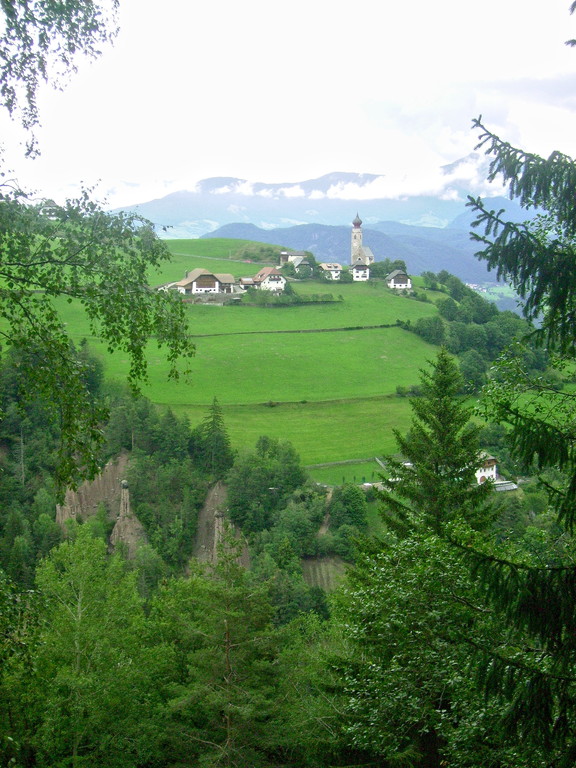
(201, 281)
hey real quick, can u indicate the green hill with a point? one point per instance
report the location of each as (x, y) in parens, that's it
(323, 376)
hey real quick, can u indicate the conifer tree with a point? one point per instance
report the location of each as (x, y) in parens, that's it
(434, 482)
(536, 596)
(210, 443)
(410, 608)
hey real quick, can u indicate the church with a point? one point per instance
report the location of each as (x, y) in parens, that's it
(359, 254)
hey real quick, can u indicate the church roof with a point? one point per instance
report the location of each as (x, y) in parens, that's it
(357, 221)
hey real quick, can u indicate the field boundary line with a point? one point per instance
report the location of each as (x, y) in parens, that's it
(301, 330)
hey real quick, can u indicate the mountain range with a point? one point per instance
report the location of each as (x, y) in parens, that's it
(430, 231)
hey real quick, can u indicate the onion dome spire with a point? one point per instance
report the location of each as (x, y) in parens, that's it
(357, 221)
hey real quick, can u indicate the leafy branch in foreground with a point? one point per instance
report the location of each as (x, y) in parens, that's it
(81, 253)
(41, 42)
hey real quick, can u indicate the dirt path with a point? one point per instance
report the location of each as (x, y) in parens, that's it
(326, 521)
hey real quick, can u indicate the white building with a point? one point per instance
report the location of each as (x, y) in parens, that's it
(270, 279)
(488, 470)
(202, 281)
(399, 280)
(331, 270)
(360, 271)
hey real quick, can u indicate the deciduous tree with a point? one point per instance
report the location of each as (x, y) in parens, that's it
(41, 42)
(96, 679)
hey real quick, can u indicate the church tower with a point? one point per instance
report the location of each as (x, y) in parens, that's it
(356, 249)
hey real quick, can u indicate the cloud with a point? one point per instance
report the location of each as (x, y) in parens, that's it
(237, 209)
(293, 222)
(294, 190)
(239, 187)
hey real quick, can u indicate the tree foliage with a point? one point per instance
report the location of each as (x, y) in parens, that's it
(75, 251)
(535, 592)
(433, 483)
(41, 43)
(210, 443)
(260, 481)
(78, 252)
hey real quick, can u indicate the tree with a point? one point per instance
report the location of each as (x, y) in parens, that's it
(260, 481)
(431, 329)
(348, 507)
(536, 678)
(412, 609)
(95, 678)
(222, 682)
(433, 483)
(409, 610)
(346, 276)
(473, 369)
(41, 42)
(210, 443)
(98, 259)
(74, 251)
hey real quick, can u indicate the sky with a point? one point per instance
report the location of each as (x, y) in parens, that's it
(289, 91)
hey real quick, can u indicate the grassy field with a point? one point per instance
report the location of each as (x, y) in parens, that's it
(317, 375)
(214, 254)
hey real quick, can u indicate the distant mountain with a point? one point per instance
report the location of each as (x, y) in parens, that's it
(430, 231)
(422, 248)
(332, 199)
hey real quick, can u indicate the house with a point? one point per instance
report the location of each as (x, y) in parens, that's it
(487, 470)
(360, 271)
(331, 271)
(293, 257)
(202, 281)
(270, 279)
(299, 262)
(399, 280)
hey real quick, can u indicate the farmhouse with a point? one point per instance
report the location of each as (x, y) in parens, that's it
(487, 470)
(297, 258)
(270, 279)
(331, 270)
(202, 281)
(399, 280)
(360, 271)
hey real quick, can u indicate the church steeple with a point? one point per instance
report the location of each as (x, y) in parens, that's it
(356, 244)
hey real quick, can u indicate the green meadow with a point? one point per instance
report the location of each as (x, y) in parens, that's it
(216, 254)
(323, 376)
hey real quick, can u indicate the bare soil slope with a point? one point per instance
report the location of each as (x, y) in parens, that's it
(211, 527)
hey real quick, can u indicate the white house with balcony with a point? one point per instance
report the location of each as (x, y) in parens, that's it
(202, 281)
(487, 470)
(270, 279)
(332, 271)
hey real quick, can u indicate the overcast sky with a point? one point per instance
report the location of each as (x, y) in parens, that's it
(287, 91)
